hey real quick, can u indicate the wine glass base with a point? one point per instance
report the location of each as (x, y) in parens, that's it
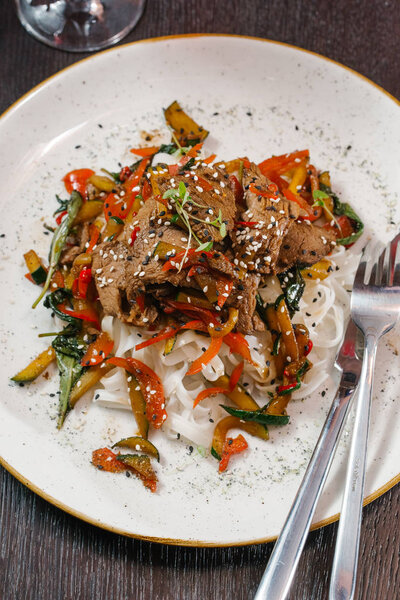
(79, 25)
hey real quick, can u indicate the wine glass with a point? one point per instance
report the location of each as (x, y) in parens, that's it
(79, 25)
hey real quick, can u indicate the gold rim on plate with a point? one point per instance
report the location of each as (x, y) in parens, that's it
(172, 541)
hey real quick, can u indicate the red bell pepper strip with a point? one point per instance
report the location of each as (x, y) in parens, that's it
(124, 174)
(134, 179)
(60, 216)
(203, 183)
(147, 190)
(284, 162)
(237, 189)
(94, 233)
(190, 255)
(164, 334)
(212, 391)
(141, 301)
(235, 376)
(106, 460)
(342, 228)
(265, 193)
(224, 288)
(134, 233)
(193, 152)
(195, 325)
(88, 315)
(150, 386)
(204, 359)
(84, 279)
(207, 316)
(238, 344)
(209, 159)
(308, 348)
(246, 223)
(98, 350)
(312, 214)
(231, 446)
(145, 152)
(77, 180)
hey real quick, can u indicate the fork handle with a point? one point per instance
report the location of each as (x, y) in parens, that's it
(344, 569)
(283, 561)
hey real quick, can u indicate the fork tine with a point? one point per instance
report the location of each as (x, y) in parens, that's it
(386, 266)
(396, 263)
(360, 273)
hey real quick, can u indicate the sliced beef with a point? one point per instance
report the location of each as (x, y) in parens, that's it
(257, 246)
(211, 194)
(304, 244)
(243, 297)
(80, 240)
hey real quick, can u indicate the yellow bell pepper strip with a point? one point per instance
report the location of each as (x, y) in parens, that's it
(150, 386)
(319, 270)
(298, 179)
(227, 423)
(284, 162)
(206, 357)
(142, 468)
(98, 350)
(193, 300)
(231, 446)
(87, 381)
(140, 445)
(36, 367)
(138, 405)
(77, 181)
(89, 211)
(286, 329)
(59, 238)
(223, 329)
(102, 183)
(185, 129)
(238, 395)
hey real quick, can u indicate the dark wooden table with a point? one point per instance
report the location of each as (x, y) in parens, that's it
(48, 555)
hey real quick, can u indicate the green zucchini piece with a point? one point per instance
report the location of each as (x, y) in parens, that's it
(36, 269)
(163, 248)
(257, 416)
(140, 445)
(36, 367)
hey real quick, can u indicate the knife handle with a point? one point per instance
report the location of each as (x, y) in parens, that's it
(282, 564)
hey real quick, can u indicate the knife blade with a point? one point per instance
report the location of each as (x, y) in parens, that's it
(279, 573)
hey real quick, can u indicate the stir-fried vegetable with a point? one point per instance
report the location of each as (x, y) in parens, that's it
(36, 367)
(59, 238)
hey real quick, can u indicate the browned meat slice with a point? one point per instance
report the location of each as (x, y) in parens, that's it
(257, 246)
(210, 193)
(82, 237)
(243, 297)
(304, 244)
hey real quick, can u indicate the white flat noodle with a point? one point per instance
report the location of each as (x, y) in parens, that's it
(325, 323)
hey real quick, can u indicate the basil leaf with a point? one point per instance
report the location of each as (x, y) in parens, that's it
(168, 148)
(70, 371)
(59, 239)
(293, 288)
(59, 297)
(342, 208)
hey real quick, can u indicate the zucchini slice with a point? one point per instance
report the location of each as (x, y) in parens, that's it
(163, 248)
(185, 129)
(35, 266)
(140, 445)
(88, 380)
(36, 367)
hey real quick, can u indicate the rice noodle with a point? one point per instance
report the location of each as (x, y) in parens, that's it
(325, 318)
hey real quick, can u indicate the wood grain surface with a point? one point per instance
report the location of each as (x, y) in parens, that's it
(46, 554)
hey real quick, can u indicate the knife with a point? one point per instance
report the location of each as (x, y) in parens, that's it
(282, 564)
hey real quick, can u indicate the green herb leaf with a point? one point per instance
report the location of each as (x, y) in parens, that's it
(59, 239)
(117, 220)
(293, 288)
(320, 195)
(182, 190)
(168, 148)
(206, 247)
(342, 208)
(70, 371)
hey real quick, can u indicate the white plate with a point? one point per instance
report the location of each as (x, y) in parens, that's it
(256, 98)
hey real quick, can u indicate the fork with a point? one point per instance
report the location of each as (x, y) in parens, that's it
(375, 308)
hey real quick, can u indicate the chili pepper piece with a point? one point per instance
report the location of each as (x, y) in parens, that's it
(206, 357)
(231, 446)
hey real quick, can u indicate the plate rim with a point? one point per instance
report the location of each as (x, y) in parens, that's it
(82, 516)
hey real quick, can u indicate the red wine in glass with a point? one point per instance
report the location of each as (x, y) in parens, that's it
(79, 25)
